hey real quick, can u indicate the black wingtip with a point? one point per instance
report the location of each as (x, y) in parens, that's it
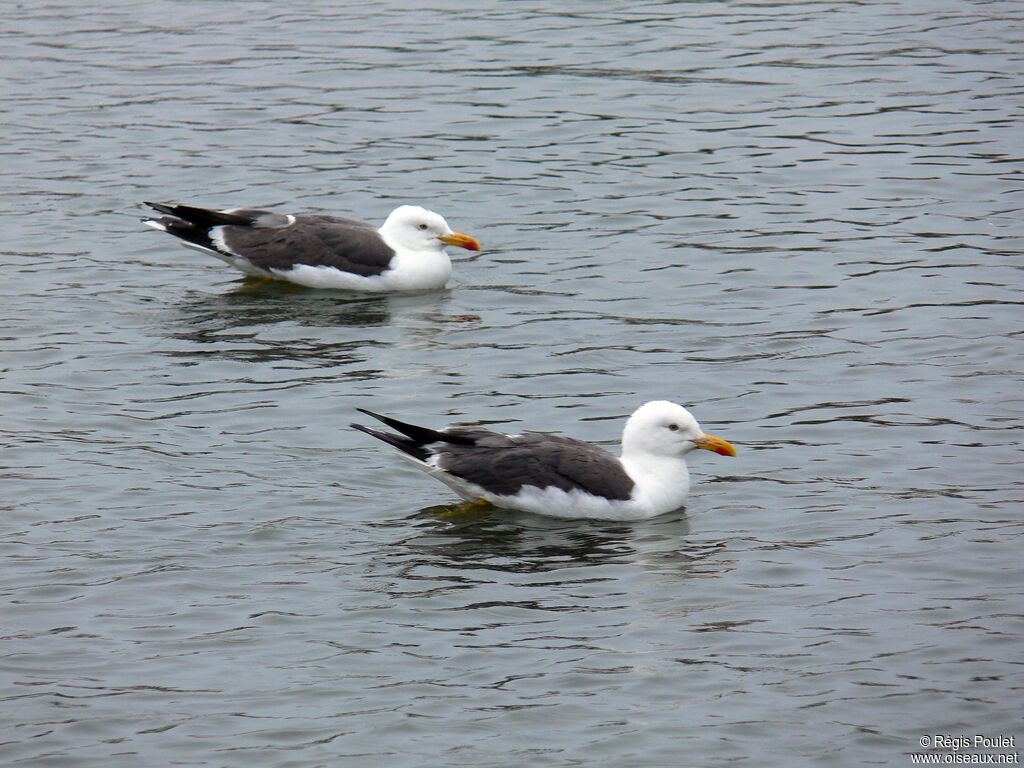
(374, 433)
(422, 435)
(416, 433)
(403, 444)
(401, 426)
(161, 207)
(202, 217)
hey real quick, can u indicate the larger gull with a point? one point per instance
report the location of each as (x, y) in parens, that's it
(561, 476)
(407, 253)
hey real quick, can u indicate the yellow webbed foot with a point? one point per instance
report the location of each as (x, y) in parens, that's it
(467, 507)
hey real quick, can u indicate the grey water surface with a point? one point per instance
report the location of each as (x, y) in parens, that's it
(804, 220)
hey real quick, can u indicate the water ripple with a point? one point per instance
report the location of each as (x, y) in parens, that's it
(803, 220)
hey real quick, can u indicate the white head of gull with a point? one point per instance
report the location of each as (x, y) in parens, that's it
(561, 476)
(407, 253)
(418, 237)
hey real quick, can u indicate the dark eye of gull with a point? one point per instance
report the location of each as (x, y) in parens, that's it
(423, 226)
(674, 427)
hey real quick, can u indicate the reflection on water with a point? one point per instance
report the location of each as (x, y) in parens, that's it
(273, 302)
(271, 322)
(498, 540)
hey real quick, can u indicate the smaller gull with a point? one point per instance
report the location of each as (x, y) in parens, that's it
(407, 253)
(561, 476)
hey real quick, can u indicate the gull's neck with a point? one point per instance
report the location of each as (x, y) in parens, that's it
(663, 482)
(427, 269)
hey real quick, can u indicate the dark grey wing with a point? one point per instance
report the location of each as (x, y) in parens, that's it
(505, 465)
(329, 241)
